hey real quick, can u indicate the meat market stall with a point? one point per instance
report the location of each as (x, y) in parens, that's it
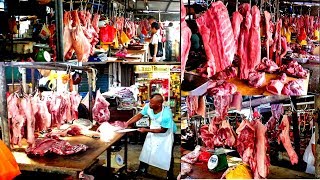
(44, 129)
(258, 48)
(246, 136)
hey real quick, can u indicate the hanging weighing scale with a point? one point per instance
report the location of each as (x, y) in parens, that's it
(43, 56)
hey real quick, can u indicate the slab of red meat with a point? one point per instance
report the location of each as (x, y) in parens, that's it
(246, 141)
(54, 145)
(226, 74)
(185, 41)
(293, 88)
(67, 41)
(75, 99)
(80, 43)
(95, 22)
(256, 79)
(82, 16)
(221, 105)
(254, 45)
(217, 35)
(283, 48)
(100, 110)
(269, 40)
(285, 139)
(244, 40)
(195, 105)
(226, 135)
(275, 87)
(236, 102)
(221, 88)
(261, 151)
(236, 24)
(91, 33)
(207, 136)
(267, 65)
(294, 69)
(16, 118)
(29, 114)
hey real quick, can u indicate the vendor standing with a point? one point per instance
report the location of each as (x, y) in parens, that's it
(310, 152)
(158, 146)
(155, 45)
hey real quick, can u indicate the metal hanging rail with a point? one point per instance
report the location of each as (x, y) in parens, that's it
(30, 65)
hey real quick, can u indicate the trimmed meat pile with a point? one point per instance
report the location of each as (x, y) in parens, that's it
(226, 74)
(218, 38)
(293, 88)
(256, 79)
(267, 65)
(100, 110)
(294, 69)
(275, 86)
(54, 145)
(221, 88)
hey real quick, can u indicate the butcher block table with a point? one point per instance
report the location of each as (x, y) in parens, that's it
(70, 164)
(245, 89)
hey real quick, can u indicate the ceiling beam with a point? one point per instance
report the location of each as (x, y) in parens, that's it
(168, 5)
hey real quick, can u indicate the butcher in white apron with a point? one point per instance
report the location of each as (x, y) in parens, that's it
(157, 148)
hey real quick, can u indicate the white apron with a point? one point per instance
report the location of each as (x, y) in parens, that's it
(157, 148)
(309, 158)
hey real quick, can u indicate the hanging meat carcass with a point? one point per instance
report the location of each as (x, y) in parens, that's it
(80, 43)
(218, 38)
(185, 40)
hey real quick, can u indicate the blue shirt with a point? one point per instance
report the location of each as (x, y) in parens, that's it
(167, 118)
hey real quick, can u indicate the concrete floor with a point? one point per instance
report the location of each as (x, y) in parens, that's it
(153, 172)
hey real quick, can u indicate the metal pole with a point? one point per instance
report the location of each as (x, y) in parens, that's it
(3, 107)
(24, 79)
(90, 95)
(32, 80)
(59, 29)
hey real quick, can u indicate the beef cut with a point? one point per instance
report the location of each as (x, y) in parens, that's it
(221, 88)
(185, 40)
(293, 88)
(226, 74)
(236, 24)
(261, 151)
(226, 134)
(218, 38)
(294, 69)
(267, 65)
(285, 139)
(100, 110)
(80, 43)
(67, 33)
(254, 45)
(246, 141)
(244, 41)
(256, 79)
(54, 145)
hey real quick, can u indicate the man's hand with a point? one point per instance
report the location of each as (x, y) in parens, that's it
(154, 59)
(143, 130)
(125, 125)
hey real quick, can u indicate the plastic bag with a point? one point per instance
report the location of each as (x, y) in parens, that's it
(107, 34)
(124, 38)
(204, 156)
(45, 32)
(192, 157)
(241, 171)
(9, 168)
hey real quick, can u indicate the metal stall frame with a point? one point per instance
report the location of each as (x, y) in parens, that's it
(30, 65)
